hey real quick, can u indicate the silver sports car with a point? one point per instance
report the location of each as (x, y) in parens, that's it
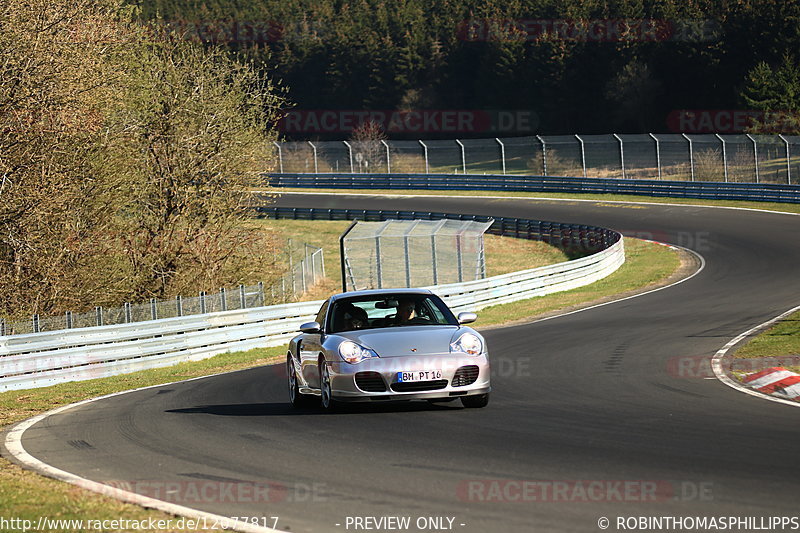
(399, 344)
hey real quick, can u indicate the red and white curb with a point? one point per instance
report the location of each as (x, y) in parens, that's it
(719, 370)
(776, 381)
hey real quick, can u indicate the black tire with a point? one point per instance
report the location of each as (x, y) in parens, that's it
(296, 398)
(326, 397)
(475, 402)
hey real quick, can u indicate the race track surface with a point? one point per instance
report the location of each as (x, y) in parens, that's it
(581, 404)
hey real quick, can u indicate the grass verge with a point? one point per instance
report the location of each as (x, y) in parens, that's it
(768, 206)
(772, 347)
(26, 495)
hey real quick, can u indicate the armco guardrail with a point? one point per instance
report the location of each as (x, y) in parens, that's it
(42, 359)
(763, 192)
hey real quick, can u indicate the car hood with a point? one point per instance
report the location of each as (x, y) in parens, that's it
(405, 341)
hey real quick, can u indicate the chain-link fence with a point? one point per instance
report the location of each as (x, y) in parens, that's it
(416, 253)
(304, 266)
(724, 158)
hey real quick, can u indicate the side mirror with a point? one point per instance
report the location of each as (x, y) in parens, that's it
(310, 327)
(467, 318)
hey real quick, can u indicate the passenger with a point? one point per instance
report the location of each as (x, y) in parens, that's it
(355, 318)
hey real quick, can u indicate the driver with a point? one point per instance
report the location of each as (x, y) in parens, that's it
(405, 312)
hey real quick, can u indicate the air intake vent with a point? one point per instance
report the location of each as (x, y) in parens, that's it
(370, 382)
(418, 386)
(466, 375)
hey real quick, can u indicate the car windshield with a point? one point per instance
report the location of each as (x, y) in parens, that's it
(390, 310)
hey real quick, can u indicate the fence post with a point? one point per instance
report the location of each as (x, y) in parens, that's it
(261, 297)
(544, 156)
(127, 309)
(788, 160)
(280, 156)
(755, 155)
(2, 327)
(68, 319)
(223, 296)
(98, 315)
(350, 151)
(316, 166)
(658, 154)
(691, 154)
(425, 148)
(388, 158)
(621, 155)
(202, 302)
(502, 154)
(36, 325)
(463, 157)
(179, 305)
(583, 155)
(242, 297)
(153, 309)
(724, 156)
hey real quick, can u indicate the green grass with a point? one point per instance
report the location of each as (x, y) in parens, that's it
(780, 340)
(646, 265)
(768, 206)
(25, 494)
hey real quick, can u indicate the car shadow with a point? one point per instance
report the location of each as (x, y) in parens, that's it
(285, 409)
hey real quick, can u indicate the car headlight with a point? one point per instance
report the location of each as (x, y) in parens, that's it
(354, 353)
(467, 343)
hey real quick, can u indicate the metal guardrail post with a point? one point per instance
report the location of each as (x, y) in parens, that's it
(788, 160)
(98, 315)
(126, 307)
(755, 155)
(68, 319)
(316, 166)
(280, 156)
(350, 151)
(724, 156)
(463, 157)
(242, 298)
(658, 154)
(223, 299)
(2, 327)
(425, 149)
(544, 156)
(179, 305)
(691, 154)
(388, 157)
(583, 155)
(502, 154)
(202, 302)
(153, 309)
(261, 297)
(35, 324)
(621, 154)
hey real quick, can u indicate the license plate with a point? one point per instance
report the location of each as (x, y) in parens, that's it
(419, 375)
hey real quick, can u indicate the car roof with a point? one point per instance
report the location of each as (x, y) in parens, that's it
(377, 292)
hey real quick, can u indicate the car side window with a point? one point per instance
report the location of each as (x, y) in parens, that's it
(321, 315)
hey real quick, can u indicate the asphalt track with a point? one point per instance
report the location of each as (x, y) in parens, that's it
(606, 395)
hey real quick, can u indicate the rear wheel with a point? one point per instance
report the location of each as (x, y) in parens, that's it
(475, 402)
(296, 398)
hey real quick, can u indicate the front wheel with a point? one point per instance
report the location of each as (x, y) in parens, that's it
(296, 398)
(475, 402)
(326, 396)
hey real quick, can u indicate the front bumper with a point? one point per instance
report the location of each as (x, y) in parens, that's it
(345, 386)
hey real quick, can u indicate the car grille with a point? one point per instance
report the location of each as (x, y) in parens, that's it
(466, 375)
(370, 382)
(417, 386)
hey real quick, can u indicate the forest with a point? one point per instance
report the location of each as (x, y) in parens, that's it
(567, 66)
